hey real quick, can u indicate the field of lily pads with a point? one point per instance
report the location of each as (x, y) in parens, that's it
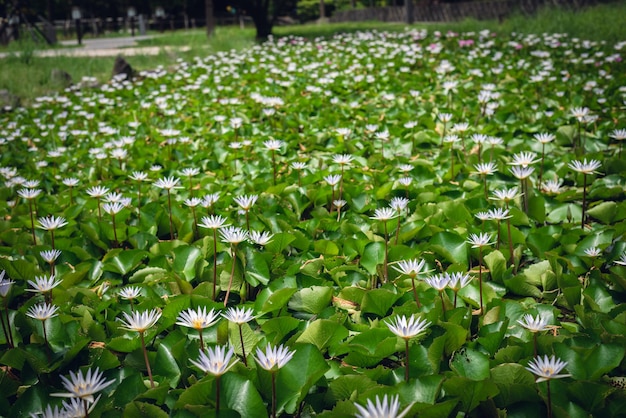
(377, 224)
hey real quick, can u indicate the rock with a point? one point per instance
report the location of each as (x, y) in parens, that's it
(60, 77)
(121, 66)
(8, 101)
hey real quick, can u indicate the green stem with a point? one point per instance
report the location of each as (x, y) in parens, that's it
(406, 360)
(543, 149)
(145, 357)
(443, 304)
(485, 184)
(214, 263)
(480, 277)
(139, 201)
(32, 221)
(582, 220)
(341, 184)
(195, 223)
(452, 160)
(273, 373)
(385, 272)
(417, 300)
(169, 205)
(274, 166)
(397, 230)
(511, 255)
(7, 331)
(45, 338)
(243, 348)
(232, 274)
(217, 395)
(114, 230)
(498, 238)
(549, 400)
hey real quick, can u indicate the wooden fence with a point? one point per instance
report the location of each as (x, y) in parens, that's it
(448, 12)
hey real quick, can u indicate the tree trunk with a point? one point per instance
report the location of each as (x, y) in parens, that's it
(49, 12)
(262, 24)
(322, 9)
(210, 19)
(408, 9)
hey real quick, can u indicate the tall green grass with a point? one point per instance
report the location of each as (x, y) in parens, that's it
(28, 76)
(604, 22)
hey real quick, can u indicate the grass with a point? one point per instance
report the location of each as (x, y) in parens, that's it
(28, 76)
(602, 22)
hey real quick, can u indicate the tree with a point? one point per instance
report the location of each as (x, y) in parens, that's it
(264, 14)
(210, 19)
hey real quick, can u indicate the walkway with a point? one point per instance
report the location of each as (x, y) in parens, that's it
(105, 47)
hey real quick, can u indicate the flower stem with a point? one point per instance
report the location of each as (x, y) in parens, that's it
(397, 232)
(582, 220)
(169, 205)
(232, 274)
(195, 223)
(417, 299)
(7, 328)
(32, 221)
(274, 165)
(341, 184)
(480, 277)
(452, 161)
(485, 184)
(217, 395)
(385, 272)
(406, 360)
(243, 348)
(201, 340)
(549, 400)
(214, 263)
(139, 202)
(443, 304)
(498, 238)
(52, 238)
(524, 184)
(114, 230)
(99, 211)
(511, 255)
(543, 149)
(145, 357)
(273, 394)
(45, 338)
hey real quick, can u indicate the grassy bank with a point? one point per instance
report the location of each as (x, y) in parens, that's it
(28, 76)
(604, 22)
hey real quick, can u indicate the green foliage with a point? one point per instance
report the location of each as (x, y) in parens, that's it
(318, 286)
